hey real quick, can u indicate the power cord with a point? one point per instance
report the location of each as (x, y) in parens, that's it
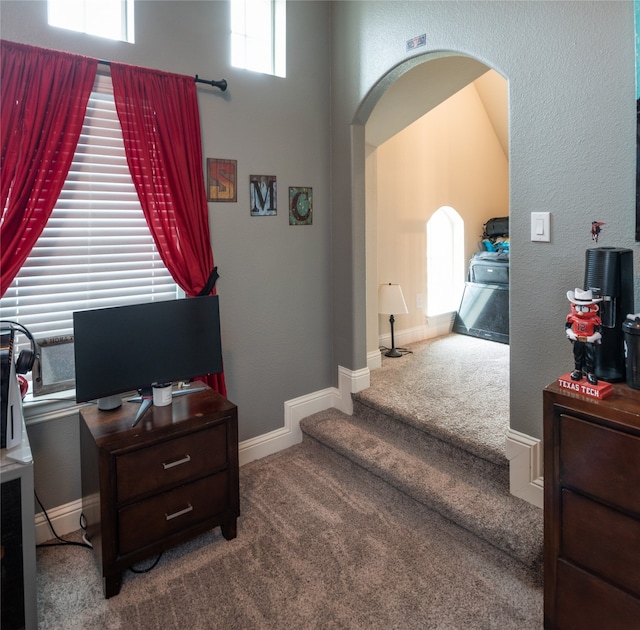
(153, 566)
(400, 350)
(85, 543)
(62, 542)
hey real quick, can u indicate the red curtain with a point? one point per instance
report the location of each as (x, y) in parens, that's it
(160, 121)
(44, 96)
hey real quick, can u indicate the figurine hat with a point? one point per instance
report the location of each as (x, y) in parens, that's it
(582, 297)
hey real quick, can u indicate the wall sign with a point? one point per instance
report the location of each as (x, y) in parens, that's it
(300, 206)
(263, 195)
(417, 42)
(222, 180)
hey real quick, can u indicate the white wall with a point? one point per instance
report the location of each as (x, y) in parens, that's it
(274, 286)
(570, 69)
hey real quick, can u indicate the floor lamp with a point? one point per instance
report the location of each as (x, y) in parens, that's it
(390, 302)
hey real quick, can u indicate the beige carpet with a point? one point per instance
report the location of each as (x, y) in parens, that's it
(433, 425)
(455, 387)
(321, 544)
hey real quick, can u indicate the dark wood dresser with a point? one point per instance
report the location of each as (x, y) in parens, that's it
(591, 510)
(150, 487)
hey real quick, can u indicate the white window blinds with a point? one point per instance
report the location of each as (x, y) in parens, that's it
(96, 249)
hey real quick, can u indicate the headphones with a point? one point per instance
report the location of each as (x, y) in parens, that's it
(26, 358)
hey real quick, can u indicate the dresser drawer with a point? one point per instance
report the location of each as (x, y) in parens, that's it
(601, 462)
(602, 540)
(156, 467)
(154, 519)
(583, 601)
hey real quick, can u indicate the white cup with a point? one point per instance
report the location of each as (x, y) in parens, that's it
(162, 395)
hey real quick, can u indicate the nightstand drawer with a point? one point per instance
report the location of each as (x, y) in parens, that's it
(182, 459)
(600, 462)
(154, 519)
(602, 540)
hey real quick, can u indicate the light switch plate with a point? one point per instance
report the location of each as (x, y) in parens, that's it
(541, 226)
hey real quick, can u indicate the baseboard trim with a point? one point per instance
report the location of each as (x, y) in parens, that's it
(374, 360)
(290, 434)
(349, 382)
(525, 467)
(66, 518)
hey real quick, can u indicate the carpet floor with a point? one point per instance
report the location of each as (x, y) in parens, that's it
(321, 544)
(326, 541)
(454, 387)
(433, 424)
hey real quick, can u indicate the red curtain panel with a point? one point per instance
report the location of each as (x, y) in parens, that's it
(160, 121)
(44, 96)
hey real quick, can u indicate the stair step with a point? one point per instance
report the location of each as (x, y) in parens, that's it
(481, 441)
(466, 490)
(418, 437)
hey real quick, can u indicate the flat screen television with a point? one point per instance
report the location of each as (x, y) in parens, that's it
(484, 312)
(127, 348)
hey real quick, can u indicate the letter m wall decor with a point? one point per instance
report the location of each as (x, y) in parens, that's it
(262, 195)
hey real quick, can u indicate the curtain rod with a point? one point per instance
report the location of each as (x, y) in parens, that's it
(222, 84)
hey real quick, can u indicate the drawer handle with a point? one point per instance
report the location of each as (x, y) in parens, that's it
(186, 510)
(184, 460)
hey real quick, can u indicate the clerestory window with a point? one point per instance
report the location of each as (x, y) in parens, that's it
(112, 19)
(258, 36)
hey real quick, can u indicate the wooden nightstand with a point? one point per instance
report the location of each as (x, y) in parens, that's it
(150, 487)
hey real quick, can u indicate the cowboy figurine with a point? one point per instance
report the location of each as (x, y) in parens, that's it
(583, 329)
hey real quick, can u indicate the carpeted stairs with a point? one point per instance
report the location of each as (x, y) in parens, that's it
(433, 425)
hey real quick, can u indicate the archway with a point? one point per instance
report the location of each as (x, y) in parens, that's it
(406, 96)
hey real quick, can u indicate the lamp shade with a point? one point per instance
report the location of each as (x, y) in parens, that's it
(390, 300)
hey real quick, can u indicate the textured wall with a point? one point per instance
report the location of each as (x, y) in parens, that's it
(570, 69)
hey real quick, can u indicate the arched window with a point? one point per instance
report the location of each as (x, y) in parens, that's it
(445, 261)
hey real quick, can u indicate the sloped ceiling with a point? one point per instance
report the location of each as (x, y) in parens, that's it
(492, 89)
(427, 85)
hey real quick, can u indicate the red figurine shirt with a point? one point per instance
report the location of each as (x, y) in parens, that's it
(585, 322)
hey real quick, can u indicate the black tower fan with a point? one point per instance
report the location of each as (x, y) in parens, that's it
(609, 274)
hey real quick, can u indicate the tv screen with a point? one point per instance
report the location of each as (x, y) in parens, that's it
(484, 312)
(126, 348)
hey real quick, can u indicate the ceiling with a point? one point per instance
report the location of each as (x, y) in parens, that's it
(427, 85)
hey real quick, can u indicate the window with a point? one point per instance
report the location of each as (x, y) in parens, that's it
(112, 19)
(258, 36)
(96, 249)
(445, 261)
